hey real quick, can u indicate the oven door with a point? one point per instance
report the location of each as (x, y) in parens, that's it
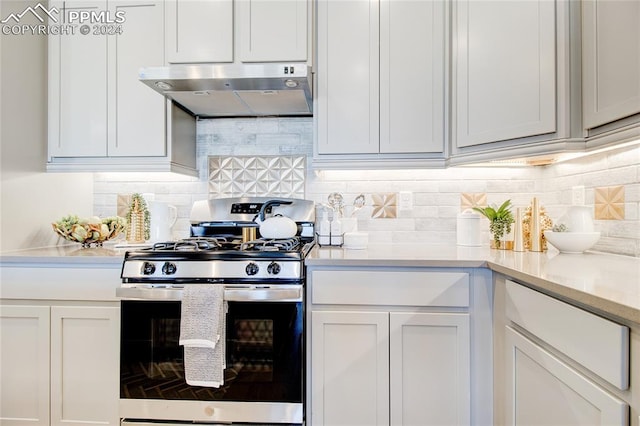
(265, 358)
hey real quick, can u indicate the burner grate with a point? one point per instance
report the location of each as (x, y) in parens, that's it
(289, 244)
(197, 244)
(191, 244)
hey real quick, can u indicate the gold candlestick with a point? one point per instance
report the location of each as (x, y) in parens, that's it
(536, 234)
(518, 236)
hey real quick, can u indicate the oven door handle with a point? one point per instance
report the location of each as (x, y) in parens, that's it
(241, 293)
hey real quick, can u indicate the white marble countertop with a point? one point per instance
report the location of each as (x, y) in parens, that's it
(601, 282)
(605, 283)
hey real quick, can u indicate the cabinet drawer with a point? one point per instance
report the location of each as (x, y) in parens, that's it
(403, 288)
(600, 345)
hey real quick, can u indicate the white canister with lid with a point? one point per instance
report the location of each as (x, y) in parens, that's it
(468, 229)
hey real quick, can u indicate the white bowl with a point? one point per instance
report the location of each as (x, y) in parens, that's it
(572, 242)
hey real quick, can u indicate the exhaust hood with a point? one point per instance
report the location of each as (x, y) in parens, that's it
(232, 90)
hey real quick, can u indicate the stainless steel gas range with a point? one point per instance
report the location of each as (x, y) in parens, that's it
(263, 283)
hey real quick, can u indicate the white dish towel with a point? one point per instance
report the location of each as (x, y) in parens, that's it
(202, 333)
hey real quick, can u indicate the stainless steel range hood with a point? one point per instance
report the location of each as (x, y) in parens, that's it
(235, 90)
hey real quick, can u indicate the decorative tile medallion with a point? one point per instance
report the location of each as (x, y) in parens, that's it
(384, 205)
(609, 203)
(264, 176)
(469, 200)
(123, 203)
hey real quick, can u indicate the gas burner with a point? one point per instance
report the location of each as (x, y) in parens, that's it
(288, 244)
(191, 244)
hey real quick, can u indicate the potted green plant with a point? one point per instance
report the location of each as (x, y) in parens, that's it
(500, 220)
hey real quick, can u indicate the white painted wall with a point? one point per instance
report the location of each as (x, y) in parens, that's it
(30, 199)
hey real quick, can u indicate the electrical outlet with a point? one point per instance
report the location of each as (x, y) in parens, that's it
(405, 201)
(577, 195)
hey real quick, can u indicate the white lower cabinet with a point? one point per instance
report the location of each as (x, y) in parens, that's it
(557, 364)
(393, 347)
(398, 368)
(350, 374)
(59, 365)
(543, 390)
(429, 368)
(24, 365)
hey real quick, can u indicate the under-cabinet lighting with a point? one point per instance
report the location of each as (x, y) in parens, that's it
(556, 158)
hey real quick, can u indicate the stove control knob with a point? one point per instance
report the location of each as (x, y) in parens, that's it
(252, 269)
(274, 268)
(169, 268)
(148, 268)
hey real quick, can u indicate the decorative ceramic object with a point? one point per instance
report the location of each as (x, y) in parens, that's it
(544, 221)
(572, 242)
(518, 236)
(138, 220)
(578, 219)
(468, 229)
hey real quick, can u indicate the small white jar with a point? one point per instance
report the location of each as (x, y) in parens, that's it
(468, 231)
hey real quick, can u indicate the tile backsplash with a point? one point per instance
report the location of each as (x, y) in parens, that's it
(253, 176)
(438, 194)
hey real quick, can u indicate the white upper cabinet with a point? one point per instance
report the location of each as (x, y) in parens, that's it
(78, 89)
(272, 31)
(504, 70)
(210, 31)
(101, 117)
(412, 89)
(199, 31)
(611, 60)
(136, 113)
(348, 77)
(381, 77)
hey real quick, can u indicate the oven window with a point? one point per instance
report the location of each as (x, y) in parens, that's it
(264, 353)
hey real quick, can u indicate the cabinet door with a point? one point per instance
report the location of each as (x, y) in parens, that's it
(24, 365)
(199, 31)
(85, 367)
(412, 54)
(136, 113)
(505, 68)
(542, 390)
(350, 374)
(273, 30)
(611, 60)
(78, 88)
(430, 369)
(348, 77)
